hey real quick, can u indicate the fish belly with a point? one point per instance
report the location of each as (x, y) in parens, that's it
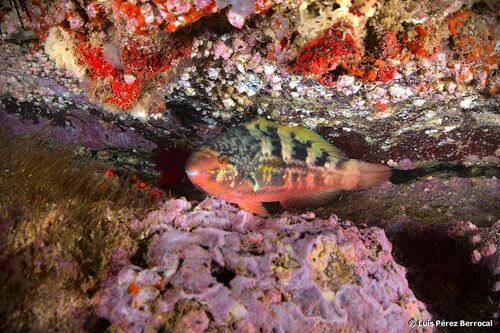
(294, 182)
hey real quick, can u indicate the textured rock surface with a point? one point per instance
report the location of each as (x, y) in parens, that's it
(218, 268)
(417, 84)
(428, 223)
(450, 265)
(432, 200)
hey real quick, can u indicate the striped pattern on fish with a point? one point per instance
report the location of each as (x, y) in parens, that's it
(264, 162)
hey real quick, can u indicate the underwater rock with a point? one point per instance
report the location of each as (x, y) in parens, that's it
(418, 84)
(444, 230)
(438, 199)
(216, 267)
(450, 265)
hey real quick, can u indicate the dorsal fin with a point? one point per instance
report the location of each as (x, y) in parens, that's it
(301, 134)
(318, 142)
(260, 122)
(311, 200)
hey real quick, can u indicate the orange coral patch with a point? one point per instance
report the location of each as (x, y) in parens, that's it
(370, 75)
(421, 30)
(455, 22)
(134, 288)
(323, 54)
(381, 106)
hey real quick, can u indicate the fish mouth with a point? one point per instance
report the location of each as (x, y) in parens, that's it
(191, 173)
(199, 162)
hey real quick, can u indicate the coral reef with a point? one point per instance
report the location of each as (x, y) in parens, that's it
(216, 268)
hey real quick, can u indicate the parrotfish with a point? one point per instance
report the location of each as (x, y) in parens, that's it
(261, 166)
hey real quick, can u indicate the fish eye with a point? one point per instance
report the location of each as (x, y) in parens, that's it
(223, 158)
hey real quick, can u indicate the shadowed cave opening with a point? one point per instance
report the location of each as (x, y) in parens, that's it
(441, 274)
(222, 274)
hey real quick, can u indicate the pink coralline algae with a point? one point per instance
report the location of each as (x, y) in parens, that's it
(405, 164)
(484, 242)
(216, 267)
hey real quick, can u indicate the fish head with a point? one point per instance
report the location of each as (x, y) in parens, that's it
(213, 171)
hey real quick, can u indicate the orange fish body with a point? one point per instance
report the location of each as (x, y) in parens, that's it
(262, 165)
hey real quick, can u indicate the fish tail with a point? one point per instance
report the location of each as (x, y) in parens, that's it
(358, 175)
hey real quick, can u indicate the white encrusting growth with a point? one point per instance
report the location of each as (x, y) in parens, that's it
(60, 46)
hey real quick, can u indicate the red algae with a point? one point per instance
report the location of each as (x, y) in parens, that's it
(170, 162)
(139, 62)
(125, 95)
(381, 106)
(472, 44)
(96, 14)
(109, 173)
(473, 40)
(147, 17)
(388, 46)
(320, 57)
(456, 21)
(324, 53)
(386, 74)
(93, 57)
(365, 39)
(414, 40)
(133, 288)
(262, 6)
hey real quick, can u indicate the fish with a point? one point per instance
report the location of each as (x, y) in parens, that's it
(265, 167)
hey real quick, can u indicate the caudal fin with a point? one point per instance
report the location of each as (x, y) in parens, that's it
(358, 175)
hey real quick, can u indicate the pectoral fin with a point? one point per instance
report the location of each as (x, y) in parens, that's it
(255, 207)
(311, 200)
